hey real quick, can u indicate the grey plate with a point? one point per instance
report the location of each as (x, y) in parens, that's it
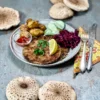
(17, 50)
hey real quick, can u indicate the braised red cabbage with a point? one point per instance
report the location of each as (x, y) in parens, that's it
(67, 39)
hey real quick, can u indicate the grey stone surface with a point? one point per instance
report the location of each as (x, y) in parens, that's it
(87, 86)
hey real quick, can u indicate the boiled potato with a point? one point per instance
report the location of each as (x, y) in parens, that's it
(33, 24)
(24, 33)
(30, 24)
(24, 27)
(29, 20)
(36, 32)
(42, 27)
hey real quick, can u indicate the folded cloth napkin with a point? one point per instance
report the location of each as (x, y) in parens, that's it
(95, 57)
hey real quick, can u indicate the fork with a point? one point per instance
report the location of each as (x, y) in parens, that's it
(92, 36)
(84, 38)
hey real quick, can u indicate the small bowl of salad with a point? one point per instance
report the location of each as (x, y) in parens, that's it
(22, 39)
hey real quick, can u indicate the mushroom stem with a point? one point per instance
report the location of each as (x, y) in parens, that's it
(23, 85)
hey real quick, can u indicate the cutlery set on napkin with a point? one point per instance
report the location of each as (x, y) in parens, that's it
(89, 52)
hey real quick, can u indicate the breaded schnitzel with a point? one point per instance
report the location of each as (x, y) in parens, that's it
(28, 52)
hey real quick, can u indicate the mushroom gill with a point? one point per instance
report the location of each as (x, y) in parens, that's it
(77, 5)
(55, 90)
(22, 88)
(60, 11)
(8, 18)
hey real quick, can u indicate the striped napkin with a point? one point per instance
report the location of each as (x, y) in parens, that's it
(96, 53)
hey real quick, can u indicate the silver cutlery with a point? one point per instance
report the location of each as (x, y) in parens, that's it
(92, 36)
(84, 38)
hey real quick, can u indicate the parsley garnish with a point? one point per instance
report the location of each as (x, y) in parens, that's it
(42, 43)
(38, 51)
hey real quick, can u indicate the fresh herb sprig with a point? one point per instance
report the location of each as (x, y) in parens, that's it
(41, 45)
(38, 51)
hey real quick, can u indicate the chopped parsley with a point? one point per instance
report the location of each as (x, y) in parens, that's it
(38, 51)
(42, 43)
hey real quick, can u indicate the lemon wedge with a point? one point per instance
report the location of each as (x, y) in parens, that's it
(53, 46)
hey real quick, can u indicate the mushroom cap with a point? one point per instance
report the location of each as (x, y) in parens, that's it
(8, 18)
(77, 5)
(22, 88)
(56, 1)
(55, 90)
(60, 11)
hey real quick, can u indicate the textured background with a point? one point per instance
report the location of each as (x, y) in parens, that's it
(87, 86)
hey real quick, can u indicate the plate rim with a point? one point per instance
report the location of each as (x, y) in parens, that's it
(40, 65)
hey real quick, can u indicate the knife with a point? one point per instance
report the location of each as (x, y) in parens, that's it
(92, 36)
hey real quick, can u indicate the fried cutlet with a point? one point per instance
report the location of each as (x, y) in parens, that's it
(28, 52)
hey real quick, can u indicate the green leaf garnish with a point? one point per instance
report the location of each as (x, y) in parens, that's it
(42, 43)
(38, 51)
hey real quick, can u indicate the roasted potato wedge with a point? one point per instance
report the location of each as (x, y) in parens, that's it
(25, 33)
(42, 27)
(24, 27)
(33, 24)
(28, 20)
(36, 32)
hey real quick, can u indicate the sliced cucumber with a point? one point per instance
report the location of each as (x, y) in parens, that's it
(59, 24)
(54, 27)
(48, 32)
